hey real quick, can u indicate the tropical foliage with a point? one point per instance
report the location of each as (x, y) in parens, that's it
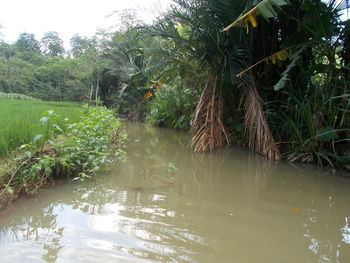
(270, 74)
(172, 107)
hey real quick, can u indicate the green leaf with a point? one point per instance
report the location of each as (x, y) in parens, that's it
(344, 159)
(43, 120)
(33, 126)
(266, 10)
(9, 189)
(37, 138)
(24, 146)
(154, 111)
(182, 118)
(327, 134)
(58, 128)
(285, 78)
(48, 171)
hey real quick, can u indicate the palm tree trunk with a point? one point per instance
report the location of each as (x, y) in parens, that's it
(208, 131)
(256, 127)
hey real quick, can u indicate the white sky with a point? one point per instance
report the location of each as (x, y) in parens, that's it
(68, 17)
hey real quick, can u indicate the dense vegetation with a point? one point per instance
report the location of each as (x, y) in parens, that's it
(82, 150)
(19, 119)
(276, 79)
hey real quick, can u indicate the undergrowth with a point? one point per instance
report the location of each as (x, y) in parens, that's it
(171, 107)
(80, 152)
(314, 128)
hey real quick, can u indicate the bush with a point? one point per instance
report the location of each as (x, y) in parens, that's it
(313, 126)
(171, 107)
(80, 153)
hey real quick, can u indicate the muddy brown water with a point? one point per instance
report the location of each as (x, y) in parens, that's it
(166, 204)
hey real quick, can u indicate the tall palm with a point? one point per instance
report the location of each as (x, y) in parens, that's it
(129, 65)
(221, 55)
(305, 30)
(196, 45)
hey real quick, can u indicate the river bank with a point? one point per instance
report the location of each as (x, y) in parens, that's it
(82, 151)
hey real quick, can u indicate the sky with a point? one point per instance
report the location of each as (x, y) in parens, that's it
(69, 17)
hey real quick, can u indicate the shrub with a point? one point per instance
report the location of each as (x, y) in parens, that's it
(84, 150)
(171, 107)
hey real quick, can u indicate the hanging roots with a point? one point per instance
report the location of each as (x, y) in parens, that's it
(208, 131)
(257, 128)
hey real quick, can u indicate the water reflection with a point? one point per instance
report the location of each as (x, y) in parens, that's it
(226, 206)
(321, 226)
(40, 228)
(345, 231)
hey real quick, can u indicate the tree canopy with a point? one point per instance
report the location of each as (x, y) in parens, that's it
(27, 43)
(52, 44)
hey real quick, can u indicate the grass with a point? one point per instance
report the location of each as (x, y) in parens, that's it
(16, 96)
(17, 118)
(90, 145)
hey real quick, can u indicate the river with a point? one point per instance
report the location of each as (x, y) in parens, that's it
(164, 203)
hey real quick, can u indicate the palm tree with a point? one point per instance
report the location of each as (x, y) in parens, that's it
(302, 32)
(232, 60)
(194, 44)
(129, 65)
(194, 28)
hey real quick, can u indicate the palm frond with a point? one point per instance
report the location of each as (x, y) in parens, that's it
(256, 127)
(285, 75)
(280, 55)
(267, 8)
(342, 5)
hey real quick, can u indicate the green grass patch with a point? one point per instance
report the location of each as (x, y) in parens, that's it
(17, 118)
(84, 149)
(16, 96)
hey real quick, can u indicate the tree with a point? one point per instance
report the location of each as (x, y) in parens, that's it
(130, 65)
(27, 43)
(128, 19)
(80, 45)
(90, 64)
(52, 44)
(197, 47)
